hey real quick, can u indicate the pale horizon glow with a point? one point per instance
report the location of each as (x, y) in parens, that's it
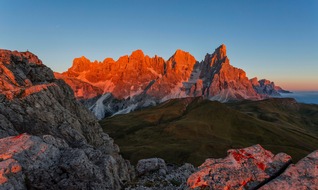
(275, 40)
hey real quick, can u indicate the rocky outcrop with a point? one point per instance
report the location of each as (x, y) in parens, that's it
(267, 87)
(247, 168)
(33, 101)
(303, 175)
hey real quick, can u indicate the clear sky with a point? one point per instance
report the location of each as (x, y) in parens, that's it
(272, 39)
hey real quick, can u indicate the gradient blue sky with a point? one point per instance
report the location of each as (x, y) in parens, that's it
(273, 39)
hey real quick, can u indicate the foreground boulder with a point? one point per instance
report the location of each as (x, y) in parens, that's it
(151, 164)
(172, 178)
(79, 154)
(247, 168)
(303, 175)
(49, 163)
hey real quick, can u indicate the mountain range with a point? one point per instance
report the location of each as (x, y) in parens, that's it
(136, 81)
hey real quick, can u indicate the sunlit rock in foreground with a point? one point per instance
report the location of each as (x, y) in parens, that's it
(247, 168)
(303, 175)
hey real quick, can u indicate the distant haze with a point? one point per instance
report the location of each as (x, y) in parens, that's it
(276, 40)
(310, 97)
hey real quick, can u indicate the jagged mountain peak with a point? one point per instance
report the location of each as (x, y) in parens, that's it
(220, 51)
(137, 54)
(81, 64)
(81, 59)
(180, 52)
(181, 58)
(108, 60)
(266, 87)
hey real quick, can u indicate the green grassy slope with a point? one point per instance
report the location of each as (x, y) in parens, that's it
(193, 129)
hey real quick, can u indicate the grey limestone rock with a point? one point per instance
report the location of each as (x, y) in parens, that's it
(174, 178)
(78, 154)
(151, 164)
(303, 175)
(246, 168)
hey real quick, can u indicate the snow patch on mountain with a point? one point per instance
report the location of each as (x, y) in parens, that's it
(99, 108)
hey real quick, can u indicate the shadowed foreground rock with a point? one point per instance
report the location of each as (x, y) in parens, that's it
(245, 168)
(152, 164)
(66, 147)
(303, 175)
(154, 174)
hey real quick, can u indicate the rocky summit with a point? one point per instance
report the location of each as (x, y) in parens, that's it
(246, 168)
(48, 139)
(135, 81)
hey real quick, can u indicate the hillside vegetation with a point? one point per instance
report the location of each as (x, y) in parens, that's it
(193, 129)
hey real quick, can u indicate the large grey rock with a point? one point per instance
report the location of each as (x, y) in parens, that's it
(30, 162)
(32, 101)
(151, 164)
(174, 178)
(246, 168)
(303, 175)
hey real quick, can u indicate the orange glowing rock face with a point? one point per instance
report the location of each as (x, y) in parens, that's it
(178, 77)
(242, 168)
(82, 90)
(14, 145)
(9, 147)
(8, 167)
(22, 74)
(131, 74)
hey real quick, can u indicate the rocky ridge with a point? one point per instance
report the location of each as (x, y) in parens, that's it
(267, 87)
(138, 81)
(247, 168)
(48, 139)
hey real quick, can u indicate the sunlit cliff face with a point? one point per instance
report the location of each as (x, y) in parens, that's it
(11, 146)
(132, 74)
